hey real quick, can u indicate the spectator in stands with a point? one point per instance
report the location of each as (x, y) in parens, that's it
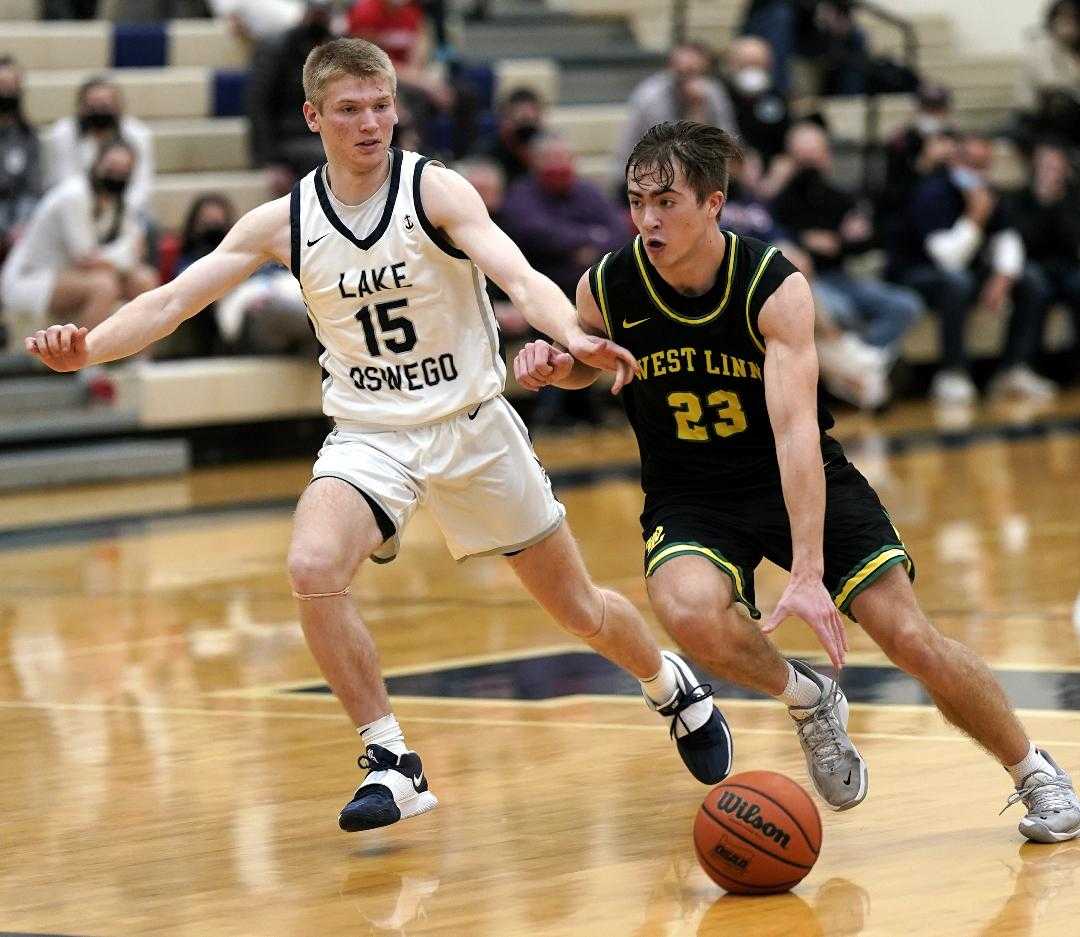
(761, 112)
(830, 226)
(561, 222)
(1047, 215)
(256, 20)
(1050, 85)
(955, 240)
(820, 30)
(521, 118)
(83, 248)
(917, 150)
(279, 135)
(487, 177)
(686, 90)
(73, 143)
(20, 157)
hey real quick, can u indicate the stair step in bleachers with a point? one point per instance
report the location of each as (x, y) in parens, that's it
(74, 465)
(56, 392)
(174, 192)
(201, 144)
(92, 44)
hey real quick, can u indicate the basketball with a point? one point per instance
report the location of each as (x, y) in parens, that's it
(758, 833)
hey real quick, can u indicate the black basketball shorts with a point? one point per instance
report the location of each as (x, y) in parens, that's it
(735, 530)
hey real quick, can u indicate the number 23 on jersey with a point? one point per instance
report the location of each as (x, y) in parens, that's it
(725, 418)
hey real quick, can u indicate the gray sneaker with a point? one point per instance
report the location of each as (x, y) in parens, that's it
(1053, 809)
(834, 764)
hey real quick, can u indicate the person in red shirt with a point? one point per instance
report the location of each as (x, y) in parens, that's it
(397, 26)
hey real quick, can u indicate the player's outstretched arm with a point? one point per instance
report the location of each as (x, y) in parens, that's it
(456, 208)
(260, 236)
(791, 375)
(539, 363)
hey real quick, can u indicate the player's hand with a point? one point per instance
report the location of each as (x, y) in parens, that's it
(61, 347)
(539, 364)
(809, 600)
(604, 354)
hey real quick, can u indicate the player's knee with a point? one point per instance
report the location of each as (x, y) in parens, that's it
(315, 569)
(692, 620)
(915, 646)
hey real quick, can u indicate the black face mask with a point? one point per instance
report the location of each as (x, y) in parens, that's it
(98, 120)
(9, 103)
(524, 133)
(111, 185)
(209, 238)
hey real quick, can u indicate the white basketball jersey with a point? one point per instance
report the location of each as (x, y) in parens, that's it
(403, 317)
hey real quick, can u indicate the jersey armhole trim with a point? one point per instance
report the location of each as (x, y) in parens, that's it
(755, 336)
(294, 231)
(600, 292)
(430, 230)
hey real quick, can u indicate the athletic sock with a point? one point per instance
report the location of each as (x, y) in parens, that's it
(1033, 761)
(386, 732)
(800, 691)
(661, 687)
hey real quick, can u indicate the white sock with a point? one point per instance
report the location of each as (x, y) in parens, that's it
(386, 732)
(661, 687)
(1033, 761)
(800, 691)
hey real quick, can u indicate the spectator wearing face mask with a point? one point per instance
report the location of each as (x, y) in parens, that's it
(73, 143)
(521, 118)
(1046, 213)
(279, 137)
(82, 252)
(561, 222)
(20, 157)
(830, 226)
(686, 90)
(761, 112)
(917, 150)
(958, 249)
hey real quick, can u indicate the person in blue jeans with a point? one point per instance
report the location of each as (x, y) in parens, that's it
(957, 246)
(828, 224)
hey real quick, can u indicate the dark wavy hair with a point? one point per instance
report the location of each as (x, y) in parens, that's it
(705, 154)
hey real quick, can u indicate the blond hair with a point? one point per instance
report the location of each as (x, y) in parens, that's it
(341, 57)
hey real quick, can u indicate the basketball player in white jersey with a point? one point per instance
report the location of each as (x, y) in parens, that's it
(389, 248)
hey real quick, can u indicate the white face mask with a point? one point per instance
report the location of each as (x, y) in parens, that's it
(751, 80)
(964, 178)
(929, 125)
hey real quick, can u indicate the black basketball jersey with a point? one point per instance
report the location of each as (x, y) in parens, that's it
(698, 407)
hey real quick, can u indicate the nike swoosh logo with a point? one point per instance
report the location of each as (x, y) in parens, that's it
(472, 416)
(418, 780)
(630, 325)
(316, 241)
(847, 780)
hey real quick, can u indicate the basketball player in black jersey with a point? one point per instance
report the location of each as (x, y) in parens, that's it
(737, 466)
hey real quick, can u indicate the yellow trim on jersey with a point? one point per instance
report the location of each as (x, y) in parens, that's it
(760, 342)
(853, 582)
(601, 294)
(639, 256)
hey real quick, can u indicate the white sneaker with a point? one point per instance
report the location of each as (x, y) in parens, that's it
(953, 387)
(854, 371)
(698, 728)
(1021, 381)
(1053, 808)
(395, 789)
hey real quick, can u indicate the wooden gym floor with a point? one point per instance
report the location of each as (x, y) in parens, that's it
(170, 766)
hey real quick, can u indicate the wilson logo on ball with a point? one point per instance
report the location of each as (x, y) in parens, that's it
(750, 814)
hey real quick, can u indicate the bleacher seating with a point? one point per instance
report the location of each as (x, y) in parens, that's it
(185, 78)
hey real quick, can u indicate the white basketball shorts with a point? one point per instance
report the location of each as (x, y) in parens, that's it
(476, 471)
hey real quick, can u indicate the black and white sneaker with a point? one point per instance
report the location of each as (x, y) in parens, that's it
(699, 729)
(395, 789)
